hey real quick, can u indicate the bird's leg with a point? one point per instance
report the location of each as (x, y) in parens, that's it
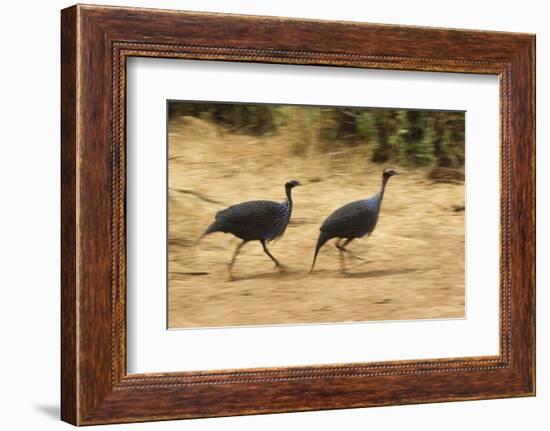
(342, 260)
(342, 256)
(345, 250)
(277, 264)
(237, 250)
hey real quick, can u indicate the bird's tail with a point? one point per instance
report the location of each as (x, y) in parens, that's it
(211, 229)
(323, 237)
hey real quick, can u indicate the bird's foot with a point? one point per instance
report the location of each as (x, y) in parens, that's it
(280, 267)
(356, 256)
(360, 264)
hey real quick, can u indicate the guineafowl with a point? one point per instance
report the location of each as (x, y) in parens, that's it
(261, 221)
(354, 220)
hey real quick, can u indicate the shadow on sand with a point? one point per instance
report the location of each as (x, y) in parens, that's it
(272, 275)
(300, 274)
(379, 273)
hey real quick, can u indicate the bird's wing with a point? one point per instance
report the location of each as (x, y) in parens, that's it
(353, 217)
(262, 214)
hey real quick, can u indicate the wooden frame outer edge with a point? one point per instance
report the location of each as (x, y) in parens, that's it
(69, 208)
(98, 402)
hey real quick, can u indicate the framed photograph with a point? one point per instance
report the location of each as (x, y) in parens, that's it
(263, 214)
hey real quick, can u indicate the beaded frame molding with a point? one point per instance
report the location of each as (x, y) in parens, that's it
(95, 43)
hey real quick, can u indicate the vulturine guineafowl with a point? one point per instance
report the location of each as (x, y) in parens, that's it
(354, 220)
(261, 221)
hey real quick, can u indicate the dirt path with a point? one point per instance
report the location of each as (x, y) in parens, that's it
(415, 258)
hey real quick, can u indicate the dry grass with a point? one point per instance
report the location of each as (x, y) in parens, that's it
(415, 258)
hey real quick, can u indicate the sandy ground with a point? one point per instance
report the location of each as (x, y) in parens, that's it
(414, 266)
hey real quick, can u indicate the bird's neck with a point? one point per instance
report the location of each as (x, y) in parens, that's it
(383, 187)
(289, 196)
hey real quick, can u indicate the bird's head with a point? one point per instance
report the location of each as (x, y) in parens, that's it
(389, 173)
(291, 184)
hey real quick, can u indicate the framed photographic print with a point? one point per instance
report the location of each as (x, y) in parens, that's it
(263, 214)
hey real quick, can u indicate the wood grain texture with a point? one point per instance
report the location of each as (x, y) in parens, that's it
(96, 41)
(69, 397)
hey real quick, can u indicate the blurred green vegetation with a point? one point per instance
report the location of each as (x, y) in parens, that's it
(405, 137)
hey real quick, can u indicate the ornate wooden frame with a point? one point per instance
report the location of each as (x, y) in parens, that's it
(95, 42)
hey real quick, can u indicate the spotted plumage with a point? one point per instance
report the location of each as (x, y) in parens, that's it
(261, 220)
(354, 220)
